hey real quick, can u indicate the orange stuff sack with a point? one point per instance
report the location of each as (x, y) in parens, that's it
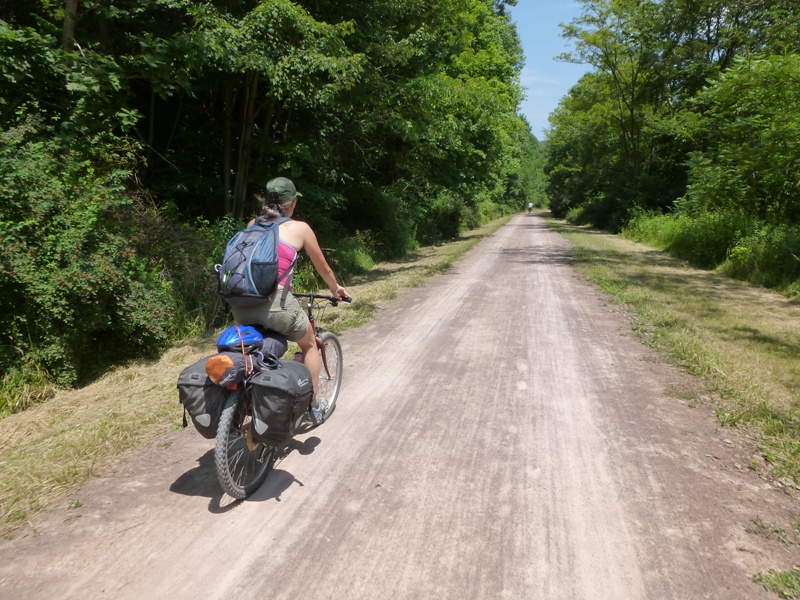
(229, 368)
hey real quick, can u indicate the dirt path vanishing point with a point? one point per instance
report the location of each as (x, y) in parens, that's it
(501, 433)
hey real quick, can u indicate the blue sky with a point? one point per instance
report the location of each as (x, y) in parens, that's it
(546, 79)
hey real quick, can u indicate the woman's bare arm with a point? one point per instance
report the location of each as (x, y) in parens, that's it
(311, 246)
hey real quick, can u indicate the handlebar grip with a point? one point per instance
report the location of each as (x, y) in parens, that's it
(335, 301)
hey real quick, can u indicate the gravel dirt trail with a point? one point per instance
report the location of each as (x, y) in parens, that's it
(501, 434)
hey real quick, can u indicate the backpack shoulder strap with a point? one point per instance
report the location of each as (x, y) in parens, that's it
(264, 224)
(288, 273)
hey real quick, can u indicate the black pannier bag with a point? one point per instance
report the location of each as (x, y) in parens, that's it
(281, 398)
(201, 398)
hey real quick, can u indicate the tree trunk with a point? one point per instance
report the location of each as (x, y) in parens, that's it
(266, 128)
(230, 100)
(152, 128)
(70, 18)
(243, 162)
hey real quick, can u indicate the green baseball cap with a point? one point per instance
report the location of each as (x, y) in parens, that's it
(284, 188)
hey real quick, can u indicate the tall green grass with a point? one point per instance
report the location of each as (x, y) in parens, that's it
(742, 247)
(23, 387)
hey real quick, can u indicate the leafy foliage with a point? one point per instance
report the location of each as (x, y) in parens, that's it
(73, 287)
(137, 132)
(753, 133)
(741, 246)
(690, 111)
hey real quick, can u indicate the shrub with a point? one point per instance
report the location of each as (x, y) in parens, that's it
(600, 211)
(441, 219)
(188, 255)
(742, 247)
(705, 239)
(24, 386)
(353, 255)
(72, 289)
(769, 256)
(392, 211)
(486, 211)
(659, 231)
(575, 216)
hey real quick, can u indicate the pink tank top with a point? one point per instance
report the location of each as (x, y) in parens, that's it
(286, 256)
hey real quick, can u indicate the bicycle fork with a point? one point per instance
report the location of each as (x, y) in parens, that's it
(321, 347)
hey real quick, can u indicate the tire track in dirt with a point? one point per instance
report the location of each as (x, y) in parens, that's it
(500, 434)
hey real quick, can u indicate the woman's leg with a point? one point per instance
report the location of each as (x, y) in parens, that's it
(308, 346)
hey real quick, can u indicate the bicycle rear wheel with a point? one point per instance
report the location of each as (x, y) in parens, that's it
(242, 464)
(330, 379)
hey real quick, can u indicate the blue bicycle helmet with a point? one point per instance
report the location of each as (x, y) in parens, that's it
(236, 336)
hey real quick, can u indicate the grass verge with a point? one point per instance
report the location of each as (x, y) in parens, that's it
(786, 584)
(744, 341)
(51, 449)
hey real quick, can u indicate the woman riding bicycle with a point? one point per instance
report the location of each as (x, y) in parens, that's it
(287, 316)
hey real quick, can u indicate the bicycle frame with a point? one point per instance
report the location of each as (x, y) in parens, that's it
(317, 330)
(241, 461)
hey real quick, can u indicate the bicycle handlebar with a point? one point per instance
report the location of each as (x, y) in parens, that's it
(332, 299)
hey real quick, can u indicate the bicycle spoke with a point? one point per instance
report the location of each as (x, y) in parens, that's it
(331, 375)
(239, 469)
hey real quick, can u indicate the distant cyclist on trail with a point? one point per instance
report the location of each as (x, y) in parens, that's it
(290, 320)
(530, 207)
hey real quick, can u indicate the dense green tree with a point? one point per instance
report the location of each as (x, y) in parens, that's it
(752, 159)
(124, 120)
(690, 111)
(581, 164)
(651, 60)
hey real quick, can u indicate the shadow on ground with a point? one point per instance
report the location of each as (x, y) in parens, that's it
(658, 271)
(202, 480)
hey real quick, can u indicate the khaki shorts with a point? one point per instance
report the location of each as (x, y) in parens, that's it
(291, 321)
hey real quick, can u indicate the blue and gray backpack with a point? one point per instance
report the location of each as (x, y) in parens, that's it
(249, 270)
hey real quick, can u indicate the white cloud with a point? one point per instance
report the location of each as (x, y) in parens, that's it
(532, 76)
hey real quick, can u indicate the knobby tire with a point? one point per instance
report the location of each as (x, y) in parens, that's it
(240, 471)
(329, 388)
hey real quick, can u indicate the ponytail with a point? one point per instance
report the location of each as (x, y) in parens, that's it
(272, 208)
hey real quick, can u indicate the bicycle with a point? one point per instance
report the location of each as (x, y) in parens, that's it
(242, 463)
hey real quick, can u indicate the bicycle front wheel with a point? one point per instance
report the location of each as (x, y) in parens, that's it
(242, 464)
(330, 373)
